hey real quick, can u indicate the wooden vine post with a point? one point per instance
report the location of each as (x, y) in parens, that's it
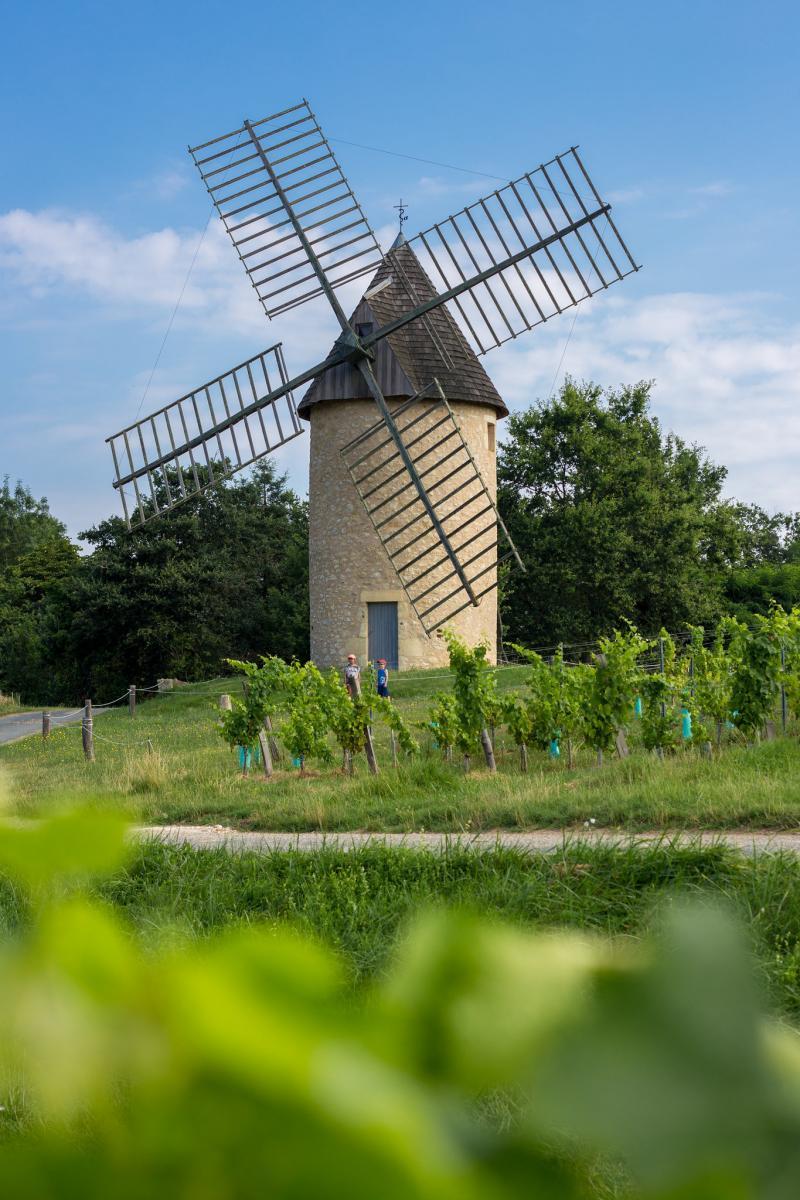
(132, 699)
(369, 745)
(266, 753)
(275, 749)
(87, 732)
(45, 724)
(488, 749)
(263, 740)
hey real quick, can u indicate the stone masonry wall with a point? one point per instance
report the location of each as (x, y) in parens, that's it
(348, 564)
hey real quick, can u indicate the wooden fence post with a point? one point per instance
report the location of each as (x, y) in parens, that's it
(87, 732)
(132, 699)
(45, 724)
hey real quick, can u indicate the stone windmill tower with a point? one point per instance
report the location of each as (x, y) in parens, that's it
(404, 525)
(358, 604)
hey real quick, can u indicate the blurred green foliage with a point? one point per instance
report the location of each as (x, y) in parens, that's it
(244, 1066)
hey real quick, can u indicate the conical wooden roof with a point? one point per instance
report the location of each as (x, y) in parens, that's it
(407, 361)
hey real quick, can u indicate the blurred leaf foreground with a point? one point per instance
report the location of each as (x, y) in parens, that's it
(247, 1066)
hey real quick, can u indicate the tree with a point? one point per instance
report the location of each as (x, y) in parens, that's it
(224, 575)
(614, 519)
(762, 538)
(750, 590)
(26, 525)
(37, 564)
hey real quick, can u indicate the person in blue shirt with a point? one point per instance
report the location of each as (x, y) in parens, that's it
(383, 678)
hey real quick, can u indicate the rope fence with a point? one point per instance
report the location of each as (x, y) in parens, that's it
(87, 712)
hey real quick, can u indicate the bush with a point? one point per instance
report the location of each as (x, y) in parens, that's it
(246, 1068)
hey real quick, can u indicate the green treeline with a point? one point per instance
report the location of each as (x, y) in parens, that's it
(225, 574)
(614, 519)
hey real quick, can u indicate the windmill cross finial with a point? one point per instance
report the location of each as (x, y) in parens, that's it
(401, 213)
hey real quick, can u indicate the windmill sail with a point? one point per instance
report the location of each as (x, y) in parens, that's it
(206, 435)
(461, 502)
(525, 253)
(268, 180)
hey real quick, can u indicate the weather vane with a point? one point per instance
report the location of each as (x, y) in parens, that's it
(401, 212)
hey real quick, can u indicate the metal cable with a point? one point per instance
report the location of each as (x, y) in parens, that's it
(102, 738)
(170, 323)
(431, 162)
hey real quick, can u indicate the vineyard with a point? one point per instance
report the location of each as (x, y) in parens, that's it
(694, 693)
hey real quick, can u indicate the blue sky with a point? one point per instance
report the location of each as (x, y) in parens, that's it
(687, 114)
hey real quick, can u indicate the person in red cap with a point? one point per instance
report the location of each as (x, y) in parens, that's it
(352, 677)
(383, 678)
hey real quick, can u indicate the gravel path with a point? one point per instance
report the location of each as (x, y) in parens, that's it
(537, 841)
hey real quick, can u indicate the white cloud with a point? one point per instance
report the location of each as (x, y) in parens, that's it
(51, 251)
(430, 185)
(718, 187)
(168, 183)
(727, 375)
(626, 195)
(56, 254)
(727, 368)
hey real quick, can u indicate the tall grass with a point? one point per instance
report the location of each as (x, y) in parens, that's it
(359, 901)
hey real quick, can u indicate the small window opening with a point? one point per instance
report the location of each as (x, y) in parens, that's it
(490, 432)
(364, 328)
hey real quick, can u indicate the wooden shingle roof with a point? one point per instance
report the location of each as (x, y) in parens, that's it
(407, 361)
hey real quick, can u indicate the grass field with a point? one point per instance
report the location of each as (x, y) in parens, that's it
(190, 776)
(359, 902)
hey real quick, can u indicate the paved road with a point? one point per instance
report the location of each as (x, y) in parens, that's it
(22, 725)
(537, 841)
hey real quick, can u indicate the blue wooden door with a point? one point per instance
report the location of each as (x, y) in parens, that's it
(382, 630)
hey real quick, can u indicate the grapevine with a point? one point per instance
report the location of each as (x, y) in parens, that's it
(612, 688)
(695, 693)
(475, 700)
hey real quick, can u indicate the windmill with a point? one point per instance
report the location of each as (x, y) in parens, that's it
(501, 266)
